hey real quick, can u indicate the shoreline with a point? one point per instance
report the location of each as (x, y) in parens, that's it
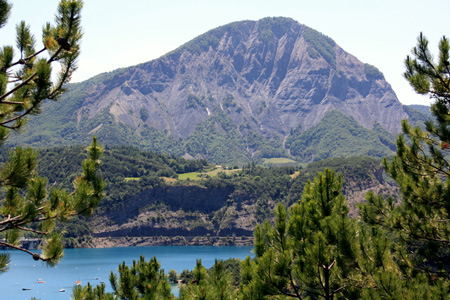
(110, 242)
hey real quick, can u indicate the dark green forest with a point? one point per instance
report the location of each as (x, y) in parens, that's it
(129, 172)
(339, 136)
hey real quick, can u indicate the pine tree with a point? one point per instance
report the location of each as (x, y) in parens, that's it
(25, 77)
(142, 280)
(220, 282)
(30, 206)
(420, 221)
(197, 288)
(92, 293)
(310, 251)
(213, 285)
(315, 251)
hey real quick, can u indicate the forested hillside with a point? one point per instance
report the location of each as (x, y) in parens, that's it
(154, 198)
(339, 136)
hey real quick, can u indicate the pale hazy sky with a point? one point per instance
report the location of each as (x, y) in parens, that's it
(122, 33)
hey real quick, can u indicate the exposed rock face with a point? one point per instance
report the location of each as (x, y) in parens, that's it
(277, 72)
(186, 198)
(179, 211)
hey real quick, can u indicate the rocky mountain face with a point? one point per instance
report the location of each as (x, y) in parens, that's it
(241, 88)
(277, 71)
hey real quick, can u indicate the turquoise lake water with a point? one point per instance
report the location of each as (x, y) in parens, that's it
(86, 265)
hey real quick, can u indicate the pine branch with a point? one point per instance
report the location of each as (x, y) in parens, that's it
(31, 230)
(24, 60)
(16, 88)
(35, 255)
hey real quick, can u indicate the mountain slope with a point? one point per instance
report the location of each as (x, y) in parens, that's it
(339, 136)
(265, 77)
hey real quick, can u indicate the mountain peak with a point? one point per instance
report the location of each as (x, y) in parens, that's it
(266, 27)
(251, 81)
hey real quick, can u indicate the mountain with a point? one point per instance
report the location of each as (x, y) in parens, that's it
(425, 109)
(240, 92)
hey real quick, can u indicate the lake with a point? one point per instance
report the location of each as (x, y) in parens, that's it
(95, 265)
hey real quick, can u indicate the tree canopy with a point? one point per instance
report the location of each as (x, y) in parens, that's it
(31, 206)
(420, 220)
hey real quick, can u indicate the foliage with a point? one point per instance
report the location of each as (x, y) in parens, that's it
(421, 219)
(419, 115)
(30, 206)
(315, 251)
(219, 139)
(145, 280)
(186, 276)
(312, 251)
(89, 292)
(213, 285)
(59, 166)
(313, 53)
(144, 114)
(236, 146)
(31, 74)
(250, 142)
(228, 101)
(193, 101)
(337, 135)
(271, 29)
(142, 280)
(207, 40)
(62, 127)
(357, 171)
(172, 276)
(122, 162)
(372, 72)
(233, 267)
(322, 44)
(264, 147)
(425, 109)
(258, 186)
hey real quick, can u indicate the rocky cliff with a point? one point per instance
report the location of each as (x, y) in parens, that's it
(275, 70)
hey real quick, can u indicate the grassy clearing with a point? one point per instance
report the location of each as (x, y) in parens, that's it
(198, 175)
(295, 174)
(169, 180)
(190, 176)
(278, 161)
(132, 178)
(193, 176)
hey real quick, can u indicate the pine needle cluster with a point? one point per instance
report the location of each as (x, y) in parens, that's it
(31, 206)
